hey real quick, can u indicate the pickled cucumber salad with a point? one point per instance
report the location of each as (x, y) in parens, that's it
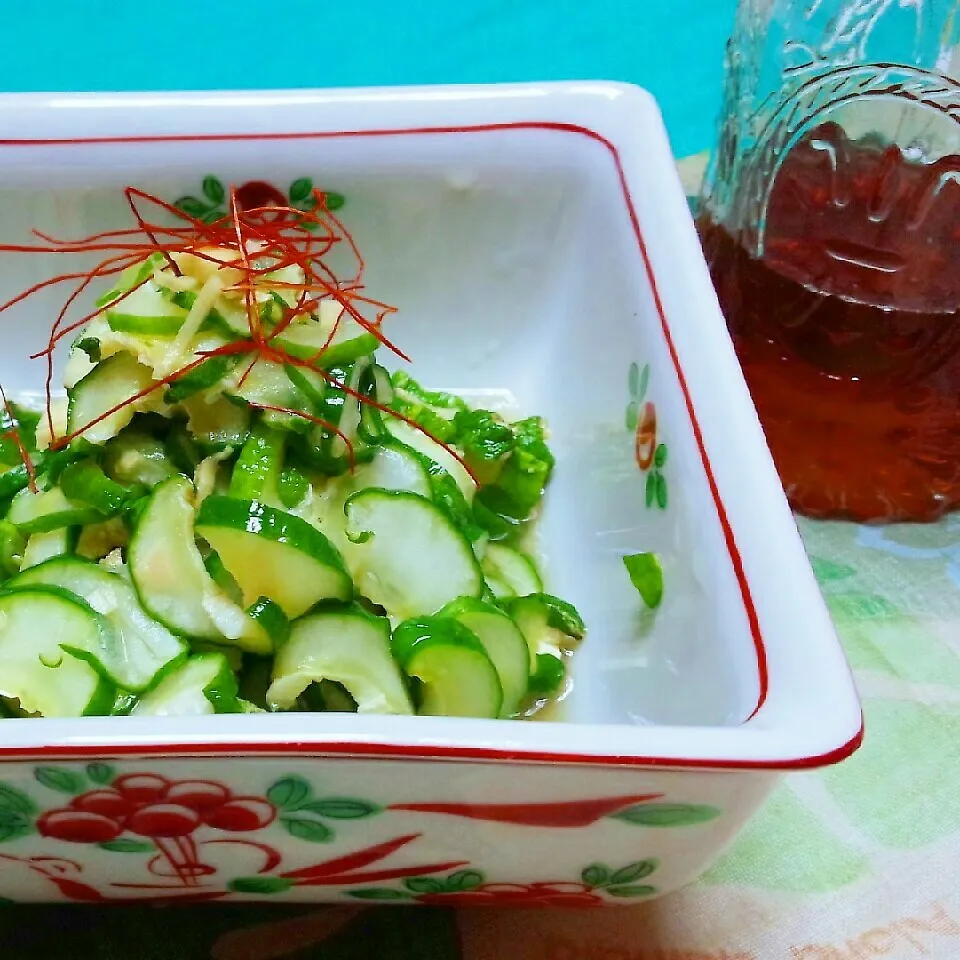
(238, 508)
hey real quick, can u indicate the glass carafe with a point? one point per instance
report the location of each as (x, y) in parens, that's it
(830, 218)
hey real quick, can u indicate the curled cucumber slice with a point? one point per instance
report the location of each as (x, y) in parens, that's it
(456, 676)
(410, 557)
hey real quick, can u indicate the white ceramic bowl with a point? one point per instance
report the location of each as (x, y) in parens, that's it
(538, 244)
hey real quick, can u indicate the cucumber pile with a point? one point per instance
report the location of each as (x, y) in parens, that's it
(260, 530)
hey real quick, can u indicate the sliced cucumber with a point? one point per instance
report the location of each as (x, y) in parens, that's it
(549, 625)
(504, 643)
(310, 338)
(135, 457)
(513, 572)
(144, 649)
(410, 557)
(202, 685)
(52, 543)
(112, 383)
(36, 624)
(347, 646)
(420, 442)
(256, 474)
(166, 566)
(218, 424)
(201, 377)
(273, 554)
(393, 467)
(48, 510)
(131, 277)
(84, 482)
(146, 312)
(456, 676)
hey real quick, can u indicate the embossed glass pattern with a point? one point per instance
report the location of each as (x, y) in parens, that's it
(831, 221)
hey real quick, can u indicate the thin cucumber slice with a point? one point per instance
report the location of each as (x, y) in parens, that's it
(144, 648)
(112, 383)
(202, 685)
(146, 312)
(12, 546)
(52, 543)
(504, 643)
(347, 646)
(166, 566)
(36, 624)
(48, 510)
(310, 338)
(84, 482)
(256, 474)
(311, 384)
(201, 377)
(393, 467)
(511, 570)
(420, 442)
(135, 457)
(273, 554)
(410, 557)
(130, 278)
(549, 625)
(456, 676)
(217, 425)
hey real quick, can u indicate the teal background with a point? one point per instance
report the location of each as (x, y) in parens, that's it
(674, 48)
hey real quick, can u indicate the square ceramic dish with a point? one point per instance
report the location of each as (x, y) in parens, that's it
(538, 245)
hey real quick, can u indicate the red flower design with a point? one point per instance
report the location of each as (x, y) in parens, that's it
(258, 193)
(646, 440)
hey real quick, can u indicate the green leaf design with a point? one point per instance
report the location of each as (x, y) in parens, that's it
(212, 216)
(341, 808)
(309, 204)
(288, 793)
(596, 875)
(644, 382)
(633, 416)
(641, 891)
(378, 893)
(260, 885)
(646, 575)
(661, 490)
(463, 880)
(101, 773)
(213, 189)
(660, 455)
(126, 845)
(300, 189)
(307, 829)
(15, 801)
(423, 885)
(334, 201)
(666, 814)
(65, 781)
(634, 871)
(633, 379)
(13, 826)
(192, 206)
(651, 491)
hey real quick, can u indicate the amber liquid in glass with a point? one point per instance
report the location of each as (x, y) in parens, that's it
(848, 327)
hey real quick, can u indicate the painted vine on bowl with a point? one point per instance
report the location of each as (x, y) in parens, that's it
(650, 452)
(204, 840)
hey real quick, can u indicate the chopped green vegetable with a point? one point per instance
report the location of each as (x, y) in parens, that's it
(646, 575)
